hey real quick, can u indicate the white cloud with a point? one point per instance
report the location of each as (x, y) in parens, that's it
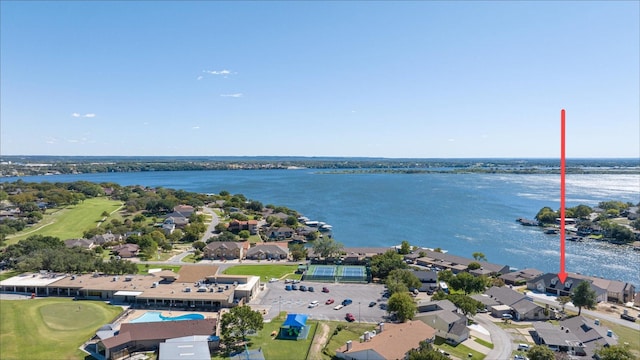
(89, 115)
(195, 127)
(238, 95)
(218, 72)
(200, 77)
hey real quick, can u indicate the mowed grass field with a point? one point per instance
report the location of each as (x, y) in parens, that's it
(70, 222)
(265, 272)
(51, 328)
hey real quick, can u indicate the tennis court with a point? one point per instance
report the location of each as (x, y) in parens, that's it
(336, 273)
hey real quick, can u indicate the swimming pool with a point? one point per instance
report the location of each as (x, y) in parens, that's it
(155, 316)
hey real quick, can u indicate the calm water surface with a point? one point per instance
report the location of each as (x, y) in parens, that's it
(462, 213)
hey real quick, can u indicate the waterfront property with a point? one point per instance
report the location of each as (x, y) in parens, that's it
(520, 277)
(443, 316)
(193, 287)
(520, 307)
(458, 263)
(606, 290)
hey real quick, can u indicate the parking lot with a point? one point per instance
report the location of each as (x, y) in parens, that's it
(276, 299)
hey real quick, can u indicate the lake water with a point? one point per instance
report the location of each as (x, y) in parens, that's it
(462, 213)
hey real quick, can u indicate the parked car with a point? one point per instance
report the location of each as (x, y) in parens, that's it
(350, 317)
(288, 281)
(372, 304)
(338, 307)
(314, 303)
(346, 302)
(311, 289)
(272, 280)
(294, 287)
(303, 288)
(287, 287)
(325, 289)
(329, 302)
(523, 347)
(627, 317)
(507, 316)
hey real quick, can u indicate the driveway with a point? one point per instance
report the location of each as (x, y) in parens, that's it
(276, 299)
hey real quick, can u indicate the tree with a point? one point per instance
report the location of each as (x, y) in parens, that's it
(426, 352)
(466, 304)
(479, 256)
(244, 234)
(583, 295)
(563, 300)
(199, 245)
(474, 266)
(615, 352)
(382, 265)
(467, 283)
(405, 248)
(238, 322)
(291, 221)
(402, 305)
(540, 352)
(327, 247)
(401, 280)
(546, 215)
(298, 252)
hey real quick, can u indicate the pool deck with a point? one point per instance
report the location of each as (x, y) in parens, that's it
(136, 313)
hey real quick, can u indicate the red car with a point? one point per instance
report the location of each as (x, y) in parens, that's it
(325, 290)
(350, 317)
(329, 302)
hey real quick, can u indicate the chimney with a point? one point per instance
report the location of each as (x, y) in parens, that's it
(348, 345)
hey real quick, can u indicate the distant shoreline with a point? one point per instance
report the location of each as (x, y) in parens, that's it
(17, 166)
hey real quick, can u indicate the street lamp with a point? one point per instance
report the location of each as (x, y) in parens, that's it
(359, 312)
(279, 305)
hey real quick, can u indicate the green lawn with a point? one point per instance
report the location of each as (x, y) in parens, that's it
(483, 343)
(9, 273)
(351, 331)
(460, 351)
(265, 272)
(51, 328)
(276, 348)
(625, 335)
(69, 222)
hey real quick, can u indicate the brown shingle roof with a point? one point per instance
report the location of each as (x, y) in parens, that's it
(396, 340)
(193, 273)
(160, 331)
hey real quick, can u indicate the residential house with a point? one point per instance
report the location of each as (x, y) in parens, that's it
(196, 347)
(268, 252)
(101, 239)
(126, 250)
(389, 342)
(550, 283)
(577, 336)
(82, 243)
(177, 219)
(428, 279)
(280, 233)
(520, 277)
(444, 317)
(617, 291)
(236, 226)
(458, 263)
(228, 250)
(184, 210)
(522, 308)
(134, 337)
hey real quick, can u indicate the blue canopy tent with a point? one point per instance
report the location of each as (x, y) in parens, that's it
(294, 327)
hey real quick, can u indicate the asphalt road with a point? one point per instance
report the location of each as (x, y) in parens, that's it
(502, 341)
(296, 301)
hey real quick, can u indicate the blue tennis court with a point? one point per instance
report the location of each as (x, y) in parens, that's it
(323, 270)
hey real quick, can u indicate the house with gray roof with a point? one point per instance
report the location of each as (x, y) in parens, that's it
(550, 283)
(444, 317)
(520, 277)
(576, 336)
(522, 308)
(82, 243)
(458, 263)
(267, 251)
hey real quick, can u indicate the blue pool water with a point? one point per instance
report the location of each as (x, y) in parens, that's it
(154, 316)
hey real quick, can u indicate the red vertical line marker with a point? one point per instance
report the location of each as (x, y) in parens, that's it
(563, 170)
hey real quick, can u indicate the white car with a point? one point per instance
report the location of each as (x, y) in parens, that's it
(314, 303)
(272, 280)
(338, 307)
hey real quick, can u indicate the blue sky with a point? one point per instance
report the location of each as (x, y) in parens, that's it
(379, 79)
